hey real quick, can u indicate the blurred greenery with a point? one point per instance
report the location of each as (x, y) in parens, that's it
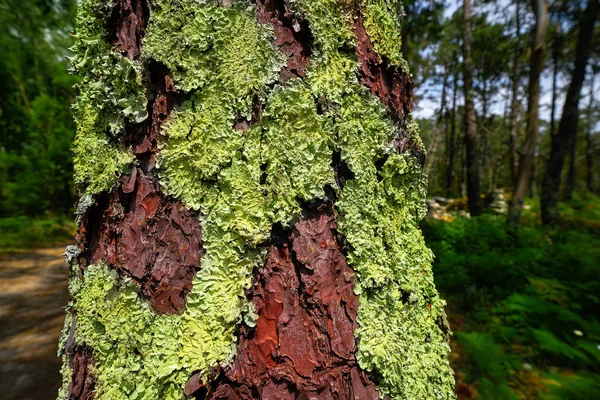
(525, 311)
(24, 232)
(36, 126)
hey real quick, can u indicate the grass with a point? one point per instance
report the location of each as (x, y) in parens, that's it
(21, 233)
(525, 311)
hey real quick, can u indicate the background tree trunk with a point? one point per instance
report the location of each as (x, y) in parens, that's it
(527, 158)
(470, 120)
(514, 107)
(451, 141)
(232, 209)
(589, 148)
(567, 129)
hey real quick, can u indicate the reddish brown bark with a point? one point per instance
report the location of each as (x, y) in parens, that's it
(149, 237)
(83, 382)
(303, 344)
(391, 84)
(292, 36)
(127, 25)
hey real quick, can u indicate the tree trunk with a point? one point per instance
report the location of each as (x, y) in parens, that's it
(570, 183)
(237, 218)
(561, 142)
(451, 141)
(514, 108)
(439, 129)
(470, 121)
(589, 143)
(527, 158)
(556, 43)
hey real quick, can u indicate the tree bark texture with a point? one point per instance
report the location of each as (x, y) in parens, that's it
(451, 141)
(567, 128)
(250, 182)
(538, 50)
(589, 142)
(470, 120)
(515, 106)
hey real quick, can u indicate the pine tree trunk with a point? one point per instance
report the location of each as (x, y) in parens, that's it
(589, 143)
(562, 141)
(527, 159)
(249, 196)
(470, 120)
(451, 141)
(514, 107)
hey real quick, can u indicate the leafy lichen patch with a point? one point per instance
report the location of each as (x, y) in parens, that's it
(202, 42)
(111, 92)
(382, 22)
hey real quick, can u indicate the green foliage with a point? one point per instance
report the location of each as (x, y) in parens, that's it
(25, 232)
(569, 386)
(36, 127)
(532, 300)
(487, 358)
(490, 391)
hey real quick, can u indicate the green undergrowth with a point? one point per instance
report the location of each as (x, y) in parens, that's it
(21, 233)
(529, 306)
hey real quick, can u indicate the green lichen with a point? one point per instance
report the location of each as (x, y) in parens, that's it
(203, 43)
(110, 93)
(331, 69)
(382, 24)
(330, 22)
(97, 159)
(399, 342)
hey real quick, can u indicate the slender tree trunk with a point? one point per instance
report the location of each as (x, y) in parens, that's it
(570, 183)
(439, 131)
(235, 217)
(556, 43)
(514, 108)
(483, 121)
(527, 158)
(451, 141)
(561, 142)
(589, 148)
(470, 120)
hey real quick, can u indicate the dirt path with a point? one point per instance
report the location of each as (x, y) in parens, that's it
(33, 292)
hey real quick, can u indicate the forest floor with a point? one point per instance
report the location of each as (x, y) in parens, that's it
(33, 292)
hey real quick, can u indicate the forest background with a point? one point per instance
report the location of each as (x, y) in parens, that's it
(519, 267)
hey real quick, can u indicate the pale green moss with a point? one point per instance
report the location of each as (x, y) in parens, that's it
(97, 160)
(201, 43)
(331, 69)
(111, 91)
(330, 22)
(65, 372)
(382, 24)
(379, 211)
(295, 149)
(201, 141)
(332, 79)
(140, 354)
